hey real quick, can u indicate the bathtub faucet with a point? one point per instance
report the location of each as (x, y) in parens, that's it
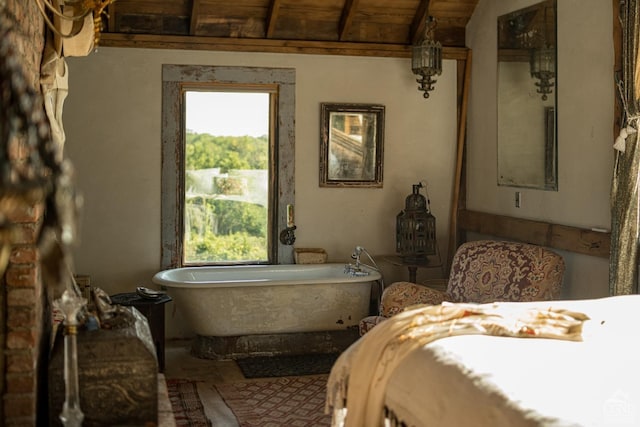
(356, 253)
(356, 269)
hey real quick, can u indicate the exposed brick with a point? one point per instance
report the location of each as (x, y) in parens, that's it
(24, 254)
(26, 233)
(19, 405)
(21, 276)
(20, 315)
(21, 339)
(20, 361)
(21, 296)
(24, 316)
(20, 383)
(20, 421)
(27, 213)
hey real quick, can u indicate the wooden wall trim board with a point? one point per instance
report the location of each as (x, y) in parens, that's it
(563, 237)
(268, 45)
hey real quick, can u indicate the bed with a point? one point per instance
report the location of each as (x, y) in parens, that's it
(591, 378)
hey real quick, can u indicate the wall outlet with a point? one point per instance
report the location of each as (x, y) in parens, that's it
(518, 199)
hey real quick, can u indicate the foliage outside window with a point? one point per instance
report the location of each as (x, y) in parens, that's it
(210, 213)
(224, 219)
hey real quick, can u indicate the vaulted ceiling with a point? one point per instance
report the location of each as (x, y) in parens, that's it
(347, 27)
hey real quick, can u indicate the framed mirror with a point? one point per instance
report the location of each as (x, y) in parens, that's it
(351, 145)
(527, 101)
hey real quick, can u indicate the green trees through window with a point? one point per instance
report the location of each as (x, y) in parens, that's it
(226, 203)
(225, 220)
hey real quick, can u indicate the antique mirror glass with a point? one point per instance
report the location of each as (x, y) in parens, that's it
(527, 87)
(351, 145)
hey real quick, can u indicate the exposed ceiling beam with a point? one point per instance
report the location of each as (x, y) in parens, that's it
(419, 21)
(195, 15)
(267, 45)
(346, 18)
(272, 17)
(111, 16)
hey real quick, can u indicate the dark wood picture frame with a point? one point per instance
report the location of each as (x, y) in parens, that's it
(351, 145)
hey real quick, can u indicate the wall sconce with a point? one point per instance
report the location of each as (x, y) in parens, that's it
(76, 13)
(415, 229)
(426, 58)
(543, 67)
(542, 63)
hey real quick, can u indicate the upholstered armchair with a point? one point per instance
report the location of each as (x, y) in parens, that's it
(481, 272)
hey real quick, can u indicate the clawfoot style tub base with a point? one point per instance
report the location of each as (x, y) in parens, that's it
(237, 347)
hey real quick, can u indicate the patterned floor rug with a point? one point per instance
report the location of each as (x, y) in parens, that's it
(286, 401)
(287, 365)
(185, 401)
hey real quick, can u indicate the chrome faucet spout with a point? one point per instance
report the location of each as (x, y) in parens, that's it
(356, 269)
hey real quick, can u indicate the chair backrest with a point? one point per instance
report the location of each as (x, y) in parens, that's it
(485, 271)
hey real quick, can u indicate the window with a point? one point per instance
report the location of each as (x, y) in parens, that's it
(226, 192)
(227, 164)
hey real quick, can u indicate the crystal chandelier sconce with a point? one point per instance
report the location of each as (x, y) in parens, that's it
(426, 59)
(543, 67)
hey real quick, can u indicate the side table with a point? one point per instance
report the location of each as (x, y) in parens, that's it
(153, 310)
(414, 266)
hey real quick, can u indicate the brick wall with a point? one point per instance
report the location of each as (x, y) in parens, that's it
(23, 300)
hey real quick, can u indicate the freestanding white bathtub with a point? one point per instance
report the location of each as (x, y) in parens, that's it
(230, 301)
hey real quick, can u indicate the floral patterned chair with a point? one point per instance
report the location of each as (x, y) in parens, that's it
(483, 271)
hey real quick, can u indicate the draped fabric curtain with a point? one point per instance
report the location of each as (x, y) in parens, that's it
(623, 268)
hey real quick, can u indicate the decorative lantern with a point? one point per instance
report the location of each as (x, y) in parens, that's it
(415, 229)
(543, 67)
(542, 62)
(426, 58)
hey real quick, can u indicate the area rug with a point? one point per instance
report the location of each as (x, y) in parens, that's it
(291, 402)
(185, 401)
(287, 366)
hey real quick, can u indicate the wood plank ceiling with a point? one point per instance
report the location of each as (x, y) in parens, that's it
(347, 27)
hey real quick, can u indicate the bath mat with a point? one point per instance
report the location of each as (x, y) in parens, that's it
(287, 366)
(290, 401)
(185, 401)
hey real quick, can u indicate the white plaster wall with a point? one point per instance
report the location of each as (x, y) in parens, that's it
(113, 122)
(585, 130)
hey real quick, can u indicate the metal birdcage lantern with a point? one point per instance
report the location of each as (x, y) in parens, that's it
(426, 58)
(415, 229)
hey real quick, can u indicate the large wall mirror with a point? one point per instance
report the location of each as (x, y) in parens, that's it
(527, 88)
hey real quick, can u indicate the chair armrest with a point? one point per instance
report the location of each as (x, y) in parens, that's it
(400, 295)
(368, 323)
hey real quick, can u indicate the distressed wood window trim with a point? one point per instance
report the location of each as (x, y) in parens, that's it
(174, 79)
